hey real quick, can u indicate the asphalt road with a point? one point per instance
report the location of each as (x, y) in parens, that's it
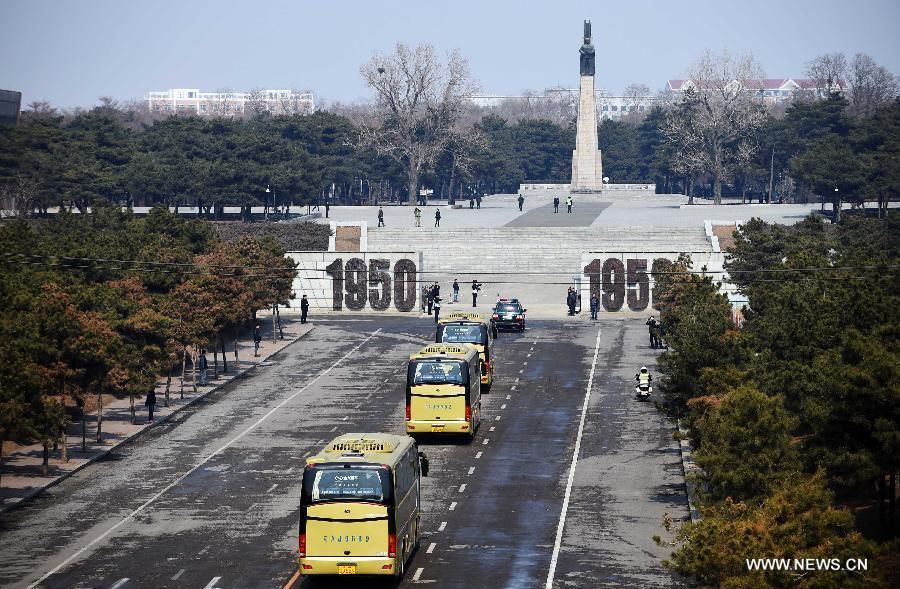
(209, 499)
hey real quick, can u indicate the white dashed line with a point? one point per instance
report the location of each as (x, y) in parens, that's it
(119, 583)
(418, 574)
(442, 526)
(534, 343)
(345, 418)
(334, 429)
(357, 406)
(430, 548)
(525, 363)
(528, 356)
(462, 488)
(517, 379)
(492, 428)
(486, 440)
(503, 406)
(521, 371)
(471, 469)
(202, 552)
(212, 584)
(568, 494)
(508, 397)
(177, 575)
(478, 455)
(305, 454)
(272, 488)
(497, 418)
(514, 387)
(453, 506)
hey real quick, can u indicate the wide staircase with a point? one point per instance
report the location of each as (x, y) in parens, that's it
(533, 263)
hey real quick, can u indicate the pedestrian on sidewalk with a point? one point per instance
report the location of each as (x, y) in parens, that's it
(455, 291)
(568, 204)
(555, 204)
(203, 365)
(380, 217)
(595, 305)
(521, 201)
(150, 403)
(304, 309)
(429, 297)
(437, 308)
(418, 213)
(570, 301)
(475, 288)
(437, 218)
(257, 338)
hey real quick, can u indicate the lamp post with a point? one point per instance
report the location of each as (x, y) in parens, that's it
(266, 204)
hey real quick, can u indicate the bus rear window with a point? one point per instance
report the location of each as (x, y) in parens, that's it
(438, 371)
(344, 484)
(463, 334)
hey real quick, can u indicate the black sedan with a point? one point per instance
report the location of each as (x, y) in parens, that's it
(509, 314)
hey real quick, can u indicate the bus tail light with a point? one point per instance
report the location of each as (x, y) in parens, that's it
(408, 413)
(392, 545)
(468, 412)
(302, 545)
(495, 316)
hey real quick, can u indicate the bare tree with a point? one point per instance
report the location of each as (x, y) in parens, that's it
(828, 71)
(727, 109)
(871, 85)
(17, 197)
(418, 100)
(223, 105)
(256, 103)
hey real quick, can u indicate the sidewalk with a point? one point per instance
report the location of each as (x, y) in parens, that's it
(22, 477)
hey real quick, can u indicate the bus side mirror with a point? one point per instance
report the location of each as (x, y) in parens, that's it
(423, 461)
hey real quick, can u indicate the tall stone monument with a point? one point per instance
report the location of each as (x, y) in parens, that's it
(587, 169)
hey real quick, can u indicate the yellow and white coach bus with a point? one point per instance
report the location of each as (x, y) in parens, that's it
(443, 390)
(464, 327)
(360, 506)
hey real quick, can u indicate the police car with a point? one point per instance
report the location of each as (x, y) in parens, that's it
(509, 314)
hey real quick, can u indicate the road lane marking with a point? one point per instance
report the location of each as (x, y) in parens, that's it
(442, 526)
(293, 580)
(418, 574)
(471, 469)
(357, 406)
(478, 455)
(534, 342)
(430, 548)
(199, 465)
(492, 428)
(525, 363)
(497, 418)
(528, 356)
(565, 506)
(517, 379)
(462, 488)
(212, 584)
(453, 506)
(514, 387)
(334, 429)
(521, 371)
(508, 397)
(177, 575)
(119, 583)
(486, 440)
(305, 454)
(345, 418)
(272, 488)
(202, 552)
(503, 406)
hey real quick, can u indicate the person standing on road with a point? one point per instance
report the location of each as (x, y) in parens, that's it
(652, 327)
(304, 309)
(555, 204)
(471, 203)
(477, 201)
(203, 365)
(380, 217)
(475, 288)
(429, 297)
(437, 308)
(521, 201)
(595, 306)
(150, 403)
(424, 296)
(570, 301)
(569, 204)
(455, 291)
(437, 218)
(257, 338)
(418, 213)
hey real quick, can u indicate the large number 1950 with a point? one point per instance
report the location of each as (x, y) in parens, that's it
(357, 284)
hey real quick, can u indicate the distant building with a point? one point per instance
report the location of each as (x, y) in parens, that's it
(10, 107)
(772, 91)
(609, 107)
(191, 100)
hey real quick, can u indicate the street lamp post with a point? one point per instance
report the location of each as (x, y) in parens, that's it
(266, 204)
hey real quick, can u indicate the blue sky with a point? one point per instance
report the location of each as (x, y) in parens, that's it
(70, 52)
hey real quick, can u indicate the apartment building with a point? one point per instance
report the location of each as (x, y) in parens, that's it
(227, 103)
(772, 91)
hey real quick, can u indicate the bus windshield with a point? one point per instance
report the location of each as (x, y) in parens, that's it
(344, 484)
(464, 333)
(438, 371)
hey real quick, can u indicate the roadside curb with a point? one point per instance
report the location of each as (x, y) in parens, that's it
(32, 494)
(689, 467)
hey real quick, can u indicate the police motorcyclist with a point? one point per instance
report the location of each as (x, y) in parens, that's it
(644, 376)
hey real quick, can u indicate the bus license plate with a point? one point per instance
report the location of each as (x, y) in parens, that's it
(346, 569)
(437, 428)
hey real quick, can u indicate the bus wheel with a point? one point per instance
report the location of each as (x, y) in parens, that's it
(401, 566)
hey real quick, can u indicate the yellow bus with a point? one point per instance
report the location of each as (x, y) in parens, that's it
(443, 390)
(471, 328)
(359, 506)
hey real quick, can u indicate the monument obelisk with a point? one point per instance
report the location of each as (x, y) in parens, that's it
(587, 169)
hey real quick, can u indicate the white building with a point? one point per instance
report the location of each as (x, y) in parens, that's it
(192, 101)
(608, 106)
(772, 90)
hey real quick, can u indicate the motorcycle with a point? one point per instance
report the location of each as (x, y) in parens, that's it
(642, 391)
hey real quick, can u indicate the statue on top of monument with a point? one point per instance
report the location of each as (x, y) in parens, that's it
(587, 52)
